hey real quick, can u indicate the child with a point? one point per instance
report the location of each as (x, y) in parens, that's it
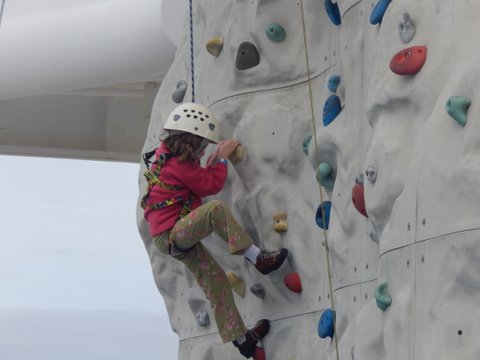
(178, 221)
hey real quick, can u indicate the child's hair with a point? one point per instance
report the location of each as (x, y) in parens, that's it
(184, 146)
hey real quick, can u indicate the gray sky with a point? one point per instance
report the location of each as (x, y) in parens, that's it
(75, 280)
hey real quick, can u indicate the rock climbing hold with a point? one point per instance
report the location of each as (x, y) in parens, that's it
(371, 173)
(457, 107)
(358, 199)
(326, 327)
(324, 208)
(258, 290)
(333, 83)
(292, 282)
(259, 353)
(331, 109)
(214, 46)
(333, 12)
(323, 175)
(247, 56)
(237, 283)
(237, 155)
(275, 32)
(409, 61)
(281, 224)
(359, 179)
(306, 144)
(384, 300)
(203, 319)
(406, 28)
(180, 92)
(378, 11)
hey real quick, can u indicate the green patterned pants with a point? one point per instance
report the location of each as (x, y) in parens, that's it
(188, 233)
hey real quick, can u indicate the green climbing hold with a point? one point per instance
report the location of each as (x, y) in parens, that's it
(275, 32)
(323, 175)
(384, 300)
(306, 144)
(457, 107)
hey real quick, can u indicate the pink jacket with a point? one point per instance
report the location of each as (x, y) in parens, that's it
(193, 177)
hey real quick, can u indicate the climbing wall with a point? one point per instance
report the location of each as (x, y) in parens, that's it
(390, 150)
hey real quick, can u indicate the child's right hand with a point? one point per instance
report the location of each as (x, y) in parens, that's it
(227, 147)
(224, 149)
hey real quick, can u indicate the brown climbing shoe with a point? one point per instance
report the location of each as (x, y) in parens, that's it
(268, 261)
(253, 336)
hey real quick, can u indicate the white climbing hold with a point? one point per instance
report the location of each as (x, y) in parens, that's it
(371, 173)
(406, 28)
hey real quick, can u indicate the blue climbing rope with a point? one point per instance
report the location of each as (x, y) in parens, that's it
(1, 11)
(192, 65)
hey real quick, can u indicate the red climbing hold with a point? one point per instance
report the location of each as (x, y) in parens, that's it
(292, 282)
(259, 354)
(358, 199)
(409, 61)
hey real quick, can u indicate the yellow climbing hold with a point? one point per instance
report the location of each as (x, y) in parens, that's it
(215, 46)
(237, 283)
(237, 155)
(281, 224)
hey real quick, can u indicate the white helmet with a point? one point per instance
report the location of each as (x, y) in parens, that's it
(195, 119)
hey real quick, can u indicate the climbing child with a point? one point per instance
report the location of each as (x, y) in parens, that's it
(179, 221)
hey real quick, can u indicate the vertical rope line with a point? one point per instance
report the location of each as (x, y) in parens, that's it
(1, 11)
(317, 155)
(192, 62)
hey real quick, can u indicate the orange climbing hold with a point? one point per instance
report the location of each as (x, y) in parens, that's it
(358, 198)
(293, 283)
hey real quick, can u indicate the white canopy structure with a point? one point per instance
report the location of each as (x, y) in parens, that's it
(78, 77)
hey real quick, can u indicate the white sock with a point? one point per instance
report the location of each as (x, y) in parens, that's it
(252, 253)
(241, 340)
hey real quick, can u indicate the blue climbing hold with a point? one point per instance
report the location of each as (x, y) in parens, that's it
(378, 11)
(384, 300)
(306, 144)
(333, 83)
(331, 109)
(457, 107)
(275, 32)
(324, 207)
(333, 12)
(325, 324)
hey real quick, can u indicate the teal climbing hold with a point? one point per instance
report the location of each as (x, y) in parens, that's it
(378, 11)
(333, 12)
(323, 213)
(384, 300)
(306, 144)
(323, 175)
(333, 83)
(331, 109)
(457, 107)
(326, 326)
(275, 32)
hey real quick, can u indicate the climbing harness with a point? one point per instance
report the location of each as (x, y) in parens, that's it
(317, 154)
(192, 51)
(152, 179)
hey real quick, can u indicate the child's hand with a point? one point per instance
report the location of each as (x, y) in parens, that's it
(224, 150)
(227, 147)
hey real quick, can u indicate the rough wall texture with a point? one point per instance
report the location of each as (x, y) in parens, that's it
(421, 234)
